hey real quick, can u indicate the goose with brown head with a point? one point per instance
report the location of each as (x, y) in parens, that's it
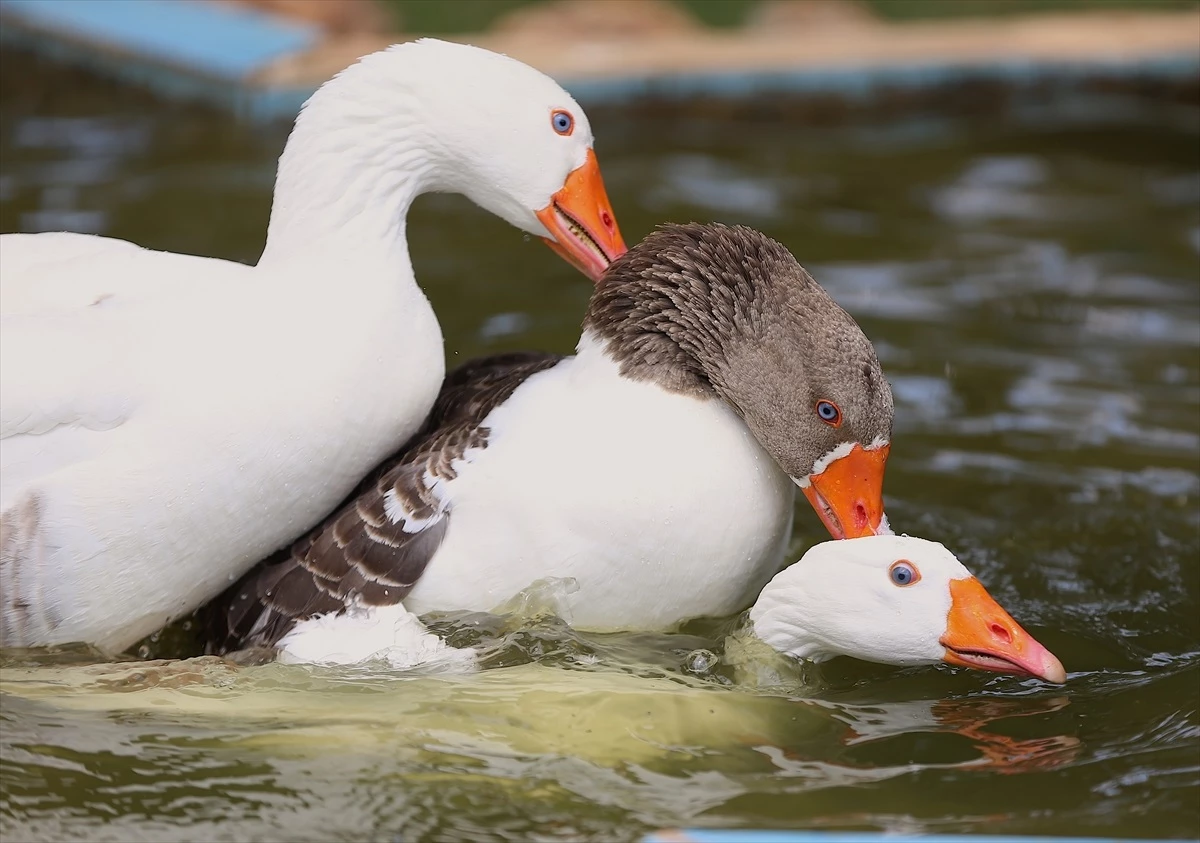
(727, 311)
(648, 479)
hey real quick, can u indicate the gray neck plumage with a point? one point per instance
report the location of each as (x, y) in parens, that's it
(695, 307)
(727, 313)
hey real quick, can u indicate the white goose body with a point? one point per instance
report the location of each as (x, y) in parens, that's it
(650, 507)
(175, 459)
(659, 506)
(168, 420)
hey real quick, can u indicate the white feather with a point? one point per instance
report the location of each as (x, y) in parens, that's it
(389, 633)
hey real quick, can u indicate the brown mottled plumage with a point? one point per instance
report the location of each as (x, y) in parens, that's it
(726, 310)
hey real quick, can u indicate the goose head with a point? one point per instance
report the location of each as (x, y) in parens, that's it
(894, 600)
(727, 311)
(437, 116)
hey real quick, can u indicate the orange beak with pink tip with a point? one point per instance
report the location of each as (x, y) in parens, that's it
(981, 635)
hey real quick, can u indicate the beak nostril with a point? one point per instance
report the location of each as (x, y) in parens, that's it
(1001, 633)
(860, 516)
(606, 218)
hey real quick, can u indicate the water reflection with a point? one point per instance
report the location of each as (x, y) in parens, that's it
(655, 746)
(971, 719)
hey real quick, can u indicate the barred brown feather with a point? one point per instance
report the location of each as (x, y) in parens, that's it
(359, 555)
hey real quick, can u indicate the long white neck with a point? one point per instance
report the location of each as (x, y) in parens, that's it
(352, 167)
(787, 618)
(781, 626)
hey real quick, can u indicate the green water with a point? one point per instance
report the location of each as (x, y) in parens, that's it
(1031, 277)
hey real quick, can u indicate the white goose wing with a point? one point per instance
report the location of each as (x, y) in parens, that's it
(61, 270)
(79, 316)
(87, 326)
(61, 373)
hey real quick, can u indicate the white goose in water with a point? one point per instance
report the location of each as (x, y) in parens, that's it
(894, 600)
(655, 468)
(169, 420)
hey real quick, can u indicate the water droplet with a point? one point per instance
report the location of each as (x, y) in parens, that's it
(701, 662)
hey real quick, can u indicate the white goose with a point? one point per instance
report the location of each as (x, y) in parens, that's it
(168, 420)
(894, 600)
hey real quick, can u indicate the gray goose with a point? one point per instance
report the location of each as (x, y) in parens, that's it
(651, 475)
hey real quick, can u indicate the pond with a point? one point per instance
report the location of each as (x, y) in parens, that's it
(1030, 275)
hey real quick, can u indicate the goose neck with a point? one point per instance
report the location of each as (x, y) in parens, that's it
(347, 177)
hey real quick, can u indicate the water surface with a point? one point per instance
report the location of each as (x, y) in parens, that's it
(1031, 279)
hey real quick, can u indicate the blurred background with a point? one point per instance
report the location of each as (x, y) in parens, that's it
(462, 16)
(1005, 194)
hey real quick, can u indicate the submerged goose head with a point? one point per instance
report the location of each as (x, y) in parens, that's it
(437, 116)
(727, 311)
(894, 600)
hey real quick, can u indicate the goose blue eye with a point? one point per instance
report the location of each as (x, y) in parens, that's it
(829, 413)
(562, 122)
(903, 573)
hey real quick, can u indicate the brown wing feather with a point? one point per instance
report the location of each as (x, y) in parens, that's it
(360, 554)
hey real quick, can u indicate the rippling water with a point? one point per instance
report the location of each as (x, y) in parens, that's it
(1031, 278)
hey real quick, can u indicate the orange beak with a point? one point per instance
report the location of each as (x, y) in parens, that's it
(582, 223)
(981, 635)
(848, 493)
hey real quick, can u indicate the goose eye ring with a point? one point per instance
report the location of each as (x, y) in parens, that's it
(904, 573)
(829, 413)
(562, 121)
